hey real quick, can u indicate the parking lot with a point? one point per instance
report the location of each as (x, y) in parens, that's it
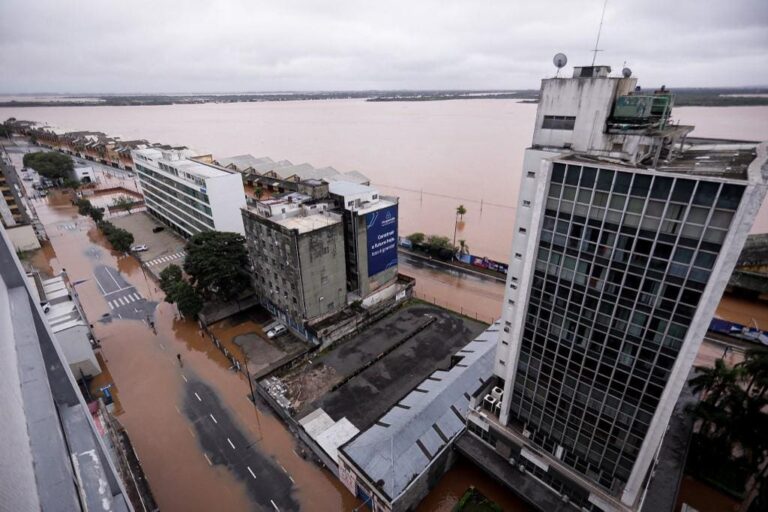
(163, 248)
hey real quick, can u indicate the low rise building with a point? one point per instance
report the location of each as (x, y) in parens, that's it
(188, 194)
(297, 251)
(370, 237)
(68, 324)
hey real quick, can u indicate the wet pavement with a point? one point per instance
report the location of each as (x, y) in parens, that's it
(226, 445)
(153, 399)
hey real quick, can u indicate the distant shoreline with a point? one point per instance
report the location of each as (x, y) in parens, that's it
(684, 97)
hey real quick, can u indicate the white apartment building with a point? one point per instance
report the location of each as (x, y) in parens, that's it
(627, 230)
(189, 195)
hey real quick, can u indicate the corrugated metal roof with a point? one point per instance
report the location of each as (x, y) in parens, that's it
(403, 443)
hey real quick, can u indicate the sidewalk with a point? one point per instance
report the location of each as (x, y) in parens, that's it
(454, 266)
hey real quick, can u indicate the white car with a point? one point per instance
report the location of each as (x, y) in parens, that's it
(276, 331)
(139, 248)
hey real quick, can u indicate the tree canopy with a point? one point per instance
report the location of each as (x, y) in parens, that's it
(49, 164)
(417, 238)
(120, 239)
(730, 447)
(217, 264)
(180, 292)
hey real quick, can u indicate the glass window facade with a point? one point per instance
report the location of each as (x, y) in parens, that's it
(621, 264)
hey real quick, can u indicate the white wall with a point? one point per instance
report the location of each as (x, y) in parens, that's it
(78, 352)
(227, 197)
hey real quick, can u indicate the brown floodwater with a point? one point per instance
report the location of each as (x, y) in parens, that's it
(435, 155)
(146, 381)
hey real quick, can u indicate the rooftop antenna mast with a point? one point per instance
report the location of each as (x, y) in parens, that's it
(599, 29)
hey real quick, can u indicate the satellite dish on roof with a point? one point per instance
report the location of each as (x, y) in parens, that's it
(626, 72)
(559, 60)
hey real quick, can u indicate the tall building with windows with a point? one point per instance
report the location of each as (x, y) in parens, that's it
(627, 231)
(187, 194)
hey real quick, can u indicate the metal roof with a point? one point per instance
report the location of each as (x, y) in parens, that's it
(403, 443)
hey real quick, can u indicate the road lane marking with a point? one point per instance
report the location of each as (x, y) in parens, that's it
(214, 419)
(292, 480)
(162, 346)
(209, 460)
(110, 305)
(120, 301)
(113, 277)
(284, 470)
(177, 409)
(120, 290)
(230, 443)
(184, 377)
(191, 431)
(198, 397)
(136, 296)
(251, 472)
(273, 504)
(98, 283)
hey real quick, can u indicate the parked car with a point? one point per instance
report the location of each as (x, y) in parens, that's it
(139, 248)
(276, 331)
(158, 229)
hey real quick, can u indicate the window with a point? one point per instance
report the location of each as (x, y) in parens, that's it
(523, 230)
(526, 203)
(558, 122)
(518, 255)
(531, 174)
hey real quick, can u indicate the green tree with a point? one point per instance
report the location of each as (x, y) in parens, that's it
(460, 211)
(217, 263)
(97, 215)
(121, 240)
(169, 278)
(189, 302)
(49, 164)
(258, 192)
(417, 238)
(84, 206)
(123, 203)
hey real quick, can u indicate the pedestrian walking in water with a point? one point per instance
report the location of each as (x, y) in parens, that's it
(178, 356)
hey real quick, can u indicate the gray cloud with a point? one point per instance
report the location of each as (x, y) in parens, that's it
(268, 45)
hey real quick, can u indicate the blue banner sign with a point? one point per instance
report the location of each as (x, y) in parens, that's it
(382, 239)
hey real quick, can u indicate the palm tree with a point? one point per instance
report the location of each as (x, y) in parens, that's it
(460, 211)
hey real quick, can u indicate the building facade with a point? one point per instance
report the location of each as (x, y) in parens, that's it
(189, 195)
(627, 231)
(296, 248)
(370, 234)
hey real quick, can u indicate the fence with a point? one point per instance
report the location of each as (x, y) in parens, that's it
(456, 308)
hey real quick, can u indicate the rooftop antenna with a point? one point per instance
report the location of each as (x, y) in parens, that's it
(599, 29)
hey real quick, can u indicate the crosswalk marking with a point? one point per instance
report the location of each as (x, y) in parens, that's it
(167, 258)
(124, 301)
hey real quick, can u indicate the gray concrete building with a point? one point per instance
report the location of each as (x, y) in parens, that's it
(51, 454)
(627, 230)
(370, 234)
(296, 247)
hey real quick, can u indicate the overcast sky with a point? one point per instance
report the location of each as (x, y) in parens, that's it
(269, 45)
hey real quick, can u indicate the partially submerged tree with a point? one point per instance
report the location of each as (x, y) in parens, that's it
(50, 165)
(217, 263)
(169, 278)
(417, 238)
(187, 299)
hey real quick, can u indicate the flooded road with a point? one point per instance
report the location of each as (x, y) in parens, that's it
(152, 390)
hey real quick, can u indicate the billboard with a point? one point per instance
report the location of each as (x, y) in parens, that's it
(382, 239)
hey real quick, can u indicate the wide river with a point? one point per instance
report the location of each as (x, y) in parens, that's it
(434, 155)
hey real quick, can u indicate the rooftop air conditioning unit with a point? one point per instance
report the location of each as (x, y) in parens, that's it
(521, 467)
(497, 392)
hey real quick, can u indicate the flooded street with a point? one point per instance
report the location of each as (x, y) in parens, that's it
(151, 389)
(434, 155)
